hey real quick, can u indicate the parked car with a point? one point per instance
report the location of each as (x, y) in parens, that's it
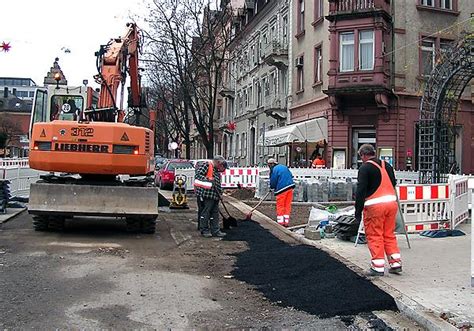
(160, 161)
(164, 177)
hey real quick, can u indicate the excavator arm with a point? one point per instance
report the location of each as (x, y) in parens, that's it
(115, 60)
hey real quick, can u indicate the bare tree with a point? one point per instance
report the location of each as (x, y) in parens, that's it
(188, 44)
(8, 130)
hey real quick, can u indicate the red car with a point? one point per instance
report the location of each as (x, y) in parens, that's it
(164, 177)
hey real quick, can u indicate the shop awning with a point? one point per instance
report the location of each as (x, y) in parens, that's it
(311, 131)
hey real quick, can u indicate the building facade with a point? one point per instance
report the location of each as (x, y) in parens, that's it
(360, 68)
(22, 88)
(255, 85)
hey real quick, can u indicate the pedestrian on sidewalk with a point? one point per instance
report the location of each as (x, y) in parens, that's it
(281, 181)
(207, 185)
(376, 197)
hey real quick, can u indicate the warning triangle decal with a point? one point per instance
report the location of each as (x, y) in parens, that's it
(43, 134)
(124, 137)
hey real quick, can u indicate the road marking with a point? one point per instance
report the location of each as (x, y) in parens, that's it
(82, 245)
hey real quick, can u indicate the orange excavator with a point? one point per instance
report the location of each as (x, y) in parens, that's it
(95, 164)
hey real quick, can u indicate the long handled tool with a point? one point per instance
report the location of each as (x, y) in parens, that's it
(249, 215)
(227, 221)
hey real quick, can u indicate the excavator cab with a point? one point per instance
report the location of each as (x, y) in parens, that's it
(64, 103)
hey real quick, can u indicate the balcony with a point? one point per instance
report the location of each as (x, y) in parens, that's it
(275, 106)
(276, 54)
(347, 9)
(367, 87)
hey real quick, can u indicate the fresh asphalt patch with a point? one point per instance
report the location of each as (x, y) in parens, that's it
(303, 276)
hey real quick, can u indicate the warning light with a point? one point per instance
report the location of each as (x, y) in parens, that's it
(135, 151)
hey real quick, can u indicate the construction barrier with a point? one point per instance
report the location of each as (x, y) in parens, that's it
(459, 199)
(243, 177)
(425, 207)
(231, 178)
(18, 172)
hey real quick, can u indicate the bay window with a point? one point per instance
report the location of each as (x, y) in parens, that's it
(346, 42)
(366, 50)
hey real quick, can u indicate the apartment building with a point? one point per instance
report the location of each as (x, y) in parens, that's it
(255, 84)
(22, 88)
(358, 69)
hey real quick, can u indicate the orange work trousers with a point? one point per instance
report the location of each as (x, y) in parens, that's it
(379, 223)
(283, 203)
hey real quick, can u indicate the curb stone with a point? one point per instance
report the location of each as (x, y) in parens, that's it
(6, 217)
(412, 309)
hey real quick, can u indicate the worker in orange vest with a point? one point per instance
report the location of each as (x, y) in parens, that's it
(319, 162)
(376, 197)
(208, 189)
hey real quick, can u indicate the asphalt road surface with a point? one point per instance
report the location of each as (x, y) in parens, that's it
(96, 275)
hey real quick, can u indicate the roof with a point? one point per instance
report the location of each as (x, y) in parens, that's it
(314, 130)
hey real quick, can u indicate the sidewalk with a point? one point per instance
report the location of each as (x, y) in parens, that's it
(436, 272)
(436, 277)
(11, 212)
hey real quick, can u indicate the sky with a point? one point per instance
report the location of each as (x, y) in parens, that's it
(37, 30)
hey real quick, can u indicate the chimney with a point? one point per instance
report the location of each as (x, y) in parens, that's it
(14, 91)
(5, 92)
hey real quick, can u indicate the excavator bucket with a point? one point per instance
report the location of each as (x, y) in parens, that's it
(66, 200)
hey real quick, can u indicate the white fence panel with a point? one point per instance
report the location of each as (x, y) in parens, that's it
(459, 193)
(19, 174)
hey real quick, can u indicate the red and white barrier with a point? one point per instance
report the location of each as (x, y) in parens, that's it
(425, 206)
(245, 177)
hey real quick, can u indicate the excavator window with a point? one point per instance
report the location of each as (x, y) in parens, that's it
(66, 107)
(39, 108)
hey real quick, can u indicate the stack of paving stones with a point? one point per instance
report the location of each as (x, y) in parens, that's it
(4, 195)
(299, 193)
(340, 190)
(318, 190)
(313, 190)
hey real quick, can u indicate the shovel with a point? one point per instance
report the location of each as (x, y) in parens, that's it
(249, 215)
(227, 221)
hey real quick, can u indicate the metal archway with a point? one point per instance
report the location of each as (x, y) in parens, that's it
(439, 105)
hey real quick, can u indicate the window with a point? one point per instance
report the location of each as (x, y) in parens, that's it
(299, 73)
(318, 9)
(64, 107)
(266, 87)
(447, 4)
(444, 45)
(272, 83)
(366, 50)
(246, 98)
(300, 21)
(259, 94)
(346, 50)
(427, 56)
(250, 91)
(243, 145)
(318, 61)
(284, 29)
(237, 143)
(439, 4)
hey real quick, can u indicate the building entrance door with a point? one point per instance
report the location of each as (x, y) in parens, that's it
(361, 136)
